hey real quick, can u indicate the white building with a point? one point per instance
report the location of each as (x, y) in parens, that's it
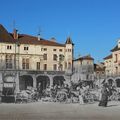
(28, 60)
(83, 69)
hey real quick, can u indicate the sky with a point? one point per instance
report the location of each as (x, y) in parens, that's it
(93, 25)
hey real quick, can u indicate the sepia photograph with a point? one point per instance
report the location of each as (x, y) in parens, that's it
(59, 59)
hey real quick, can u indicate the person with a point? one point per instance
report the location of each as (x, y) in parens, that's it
(104, 96)
(39, 90)
(81, 101)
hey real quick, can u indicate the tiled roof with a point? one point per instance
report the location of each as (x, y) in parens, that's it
(87, 57)
(5, 36)
(25, 39)
(115, 48)
(108, 57)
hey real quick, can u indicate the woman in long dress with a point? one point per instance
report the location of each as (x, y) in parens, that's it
(81, 92)
(104, 96)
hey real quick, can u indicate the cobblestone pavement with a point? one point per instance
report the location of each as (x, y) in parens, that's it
(59, 111)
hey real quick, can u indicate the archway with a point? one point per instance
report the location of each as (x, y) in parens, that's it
(110, 82)
(44, 80)
(117, 82)
(25, 81)
(58, 80)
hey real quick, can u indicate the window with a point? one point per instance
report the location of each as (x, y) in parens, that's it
(8, 60)
(60, 50)
(54, 50)
(65, 65)
(45, 66)
(60, 67)
(116, 58)
(69, 50)
(26, 48)
(45, 49)
(54, 67)
(61, 57)
(38, 65)
(9, 47)
(55, 57)
(69, 65)
(45, 56)
(25, 63)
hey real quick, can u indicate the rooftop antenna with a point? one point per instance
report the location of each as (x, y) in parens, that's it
(14, 24)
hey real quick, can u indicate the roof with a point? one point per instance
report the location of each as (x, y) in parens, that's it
(25, 39)
(108, 57)
(5, 36)
(87, 57)
(97, 67)
(115, 48)
(69, 41)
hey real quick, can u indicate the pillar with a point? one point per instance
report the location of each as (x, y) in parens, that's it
(1, 81)
(34, 81)
(17, 82)
(51, 80)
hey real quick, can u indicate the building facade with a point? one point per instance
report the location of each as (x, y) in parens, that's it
(112, 66)
(83, 68)
(28, 60)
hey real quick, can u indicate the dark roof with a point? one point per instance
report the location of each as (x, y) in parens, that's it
(115, 48)
(5, 36)
(108, 57)
(25, 39)
(87, 57)
(99, 68)
(69, 41)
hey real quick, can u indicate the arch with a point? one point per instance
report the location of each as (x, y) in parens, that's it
(44, 80)
(110, 82)
(25, 81)
(117, 80)
(58, 80)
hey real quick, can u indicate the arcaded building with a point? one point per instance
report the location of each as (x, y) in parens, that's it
(27, 60)
(112, 66)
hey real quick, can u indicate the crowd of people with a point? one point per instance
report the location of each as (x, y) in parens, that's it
(81, 92)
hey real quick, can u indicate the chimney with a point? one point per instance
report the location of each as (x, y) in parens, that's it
(15, 34)
(53, 39)
(38, 36)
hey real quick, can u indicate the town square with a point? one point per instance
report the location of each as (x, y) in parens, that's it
(59, 60)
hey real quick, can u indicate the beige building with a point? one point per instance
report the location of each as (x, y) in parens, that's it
(83, 69)
(112, 62)
(28, 60)
(108, 63)
(112, 65)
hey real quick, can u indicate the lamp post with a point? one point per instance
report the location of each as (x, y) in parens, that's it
(17, 51)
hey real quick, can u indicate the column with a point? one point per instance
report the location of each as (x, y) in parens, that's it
(17, 82)
(34, 81)
(51, 80)
(1, 81)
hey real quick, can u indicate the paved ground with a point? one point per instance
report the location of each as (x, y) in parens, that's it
(59, 111)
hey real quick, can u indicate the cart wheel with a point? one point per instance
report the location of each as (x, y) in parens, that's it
(61, 97)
